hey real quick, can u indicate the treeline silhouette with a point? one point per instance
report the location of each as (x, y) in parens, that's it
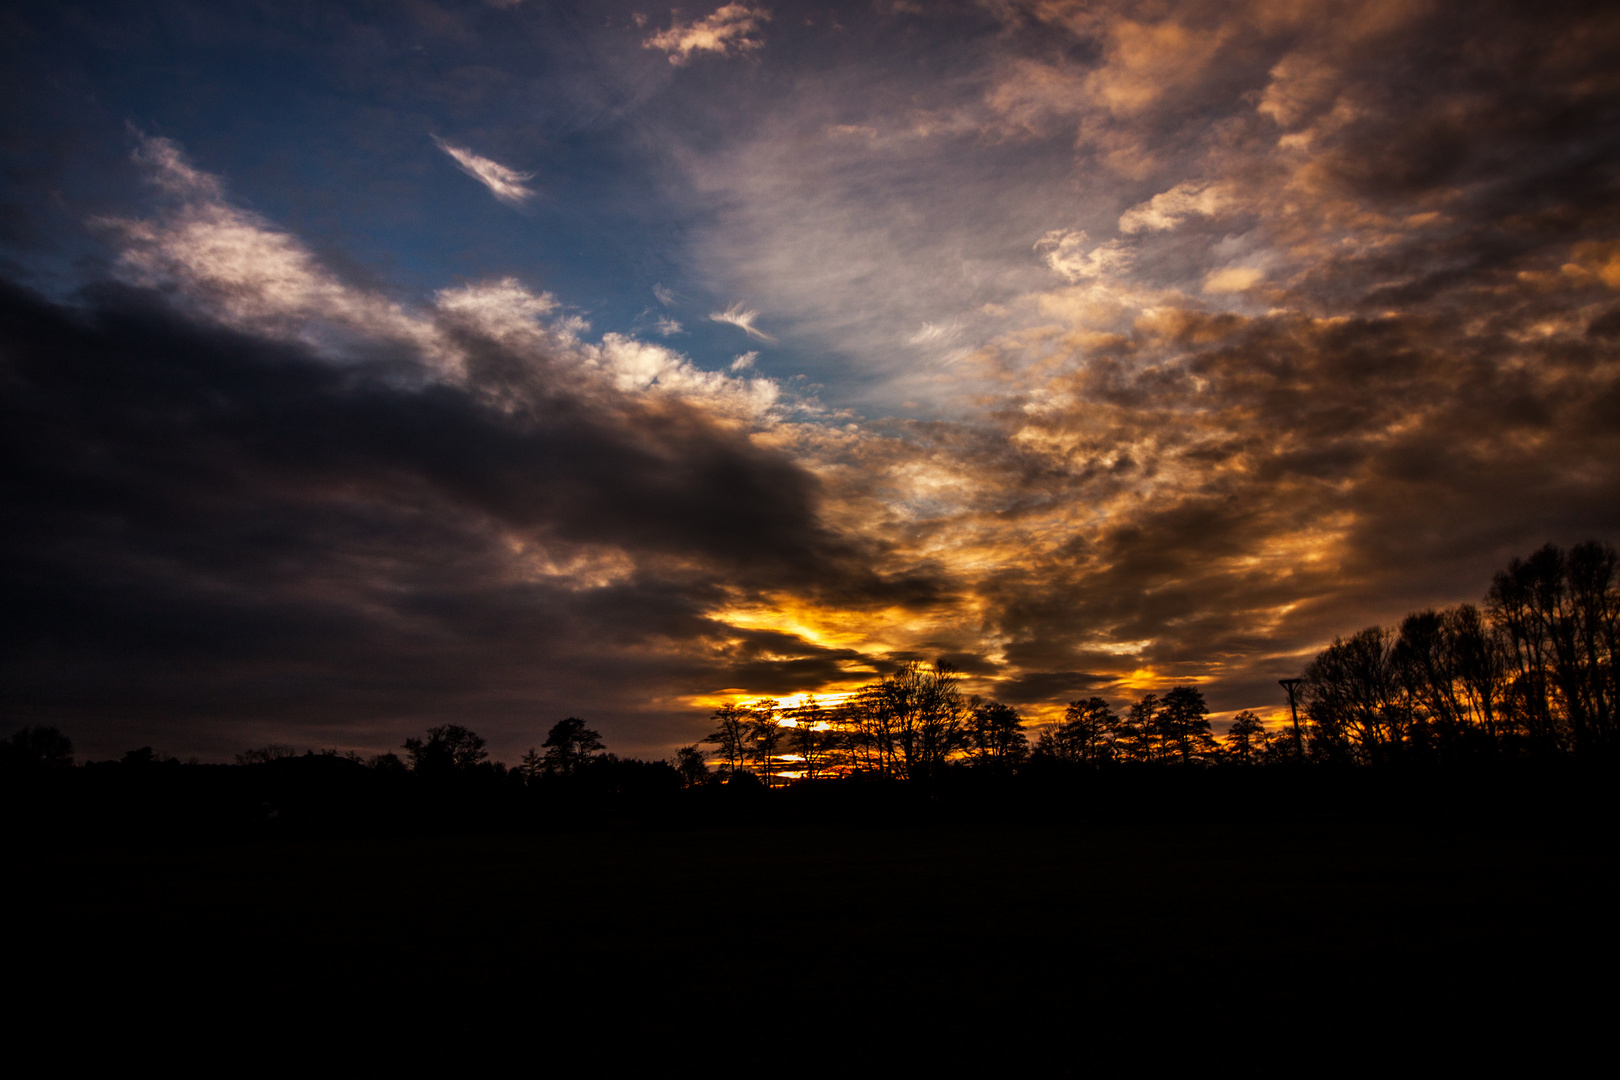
(917, 725)
(1527, 681)
(1531, 676)
(441, 781)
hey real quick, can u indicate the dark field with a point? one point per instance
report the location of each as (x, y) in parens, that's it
(1312, 944)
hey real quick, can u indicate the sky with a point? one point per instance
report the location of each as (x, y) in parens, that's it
(366, 367)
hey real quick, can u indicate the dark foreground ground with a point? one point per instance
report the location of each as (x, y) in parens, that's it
(1326, 943)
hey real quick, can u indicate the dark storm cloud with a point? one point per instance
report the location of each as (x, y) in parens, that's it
(213, 408)
(200, 521)
(768, 662)
(1045, 687)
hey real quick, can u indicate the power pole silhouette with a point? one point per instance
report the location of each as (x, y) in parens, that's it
(1299, 742)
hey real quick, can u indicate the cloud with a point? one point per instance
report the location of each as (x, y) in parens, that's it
(1300, 85)
(935, 334)
(743, 320)
(665, 294)
(170, 170)
(505, 184)
(252, 468)
(238, 268)
(270, 524)
(1211, 469)
(1145, 60)
(667, 326)
(1233, 279)
(728, 29)
(1329, 332)
(1170, 208)
(1030, 94)
(1066, 253)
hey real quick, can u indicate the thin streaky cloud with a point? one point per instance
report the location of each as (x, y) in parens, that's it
(742, 320)
(665, 294)
(504, 183)
(935, 333)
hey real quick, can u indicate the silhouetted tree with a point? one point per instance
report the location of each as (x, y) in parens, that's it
(386, 763)
(690, 764)
(1589, 646)
(1095, 728)
(869, 720)
(1085, 735)
(731, 736)
(1450, 665)
(1246, 738)
(1139, 735)
(1353, 693)
(36, 748)
(448, 749)
(814, 738)
(996, 734)
(1560, 615)
(1478, 656)
(911, 722)
(1516, 607)
(569, 744)
(926, 716)
(266, 754)
(1184, 721)
(765, 736)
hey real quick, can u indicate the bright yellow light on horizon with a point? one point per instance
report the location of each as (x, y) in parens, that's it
(817, 626)
(827, 699)
(1140, 679)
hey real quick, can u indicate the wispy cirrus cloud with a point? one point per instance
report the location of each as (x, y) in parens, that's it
(935, 334)
(506, 184)
(743, 319)
(237, 269)
(729, 29)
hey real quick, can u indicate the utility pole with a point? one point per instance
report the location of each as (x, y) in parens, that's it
(1299, 741)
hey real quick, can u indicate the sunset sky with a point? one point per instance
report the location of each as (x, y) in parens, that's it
(371, 366)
